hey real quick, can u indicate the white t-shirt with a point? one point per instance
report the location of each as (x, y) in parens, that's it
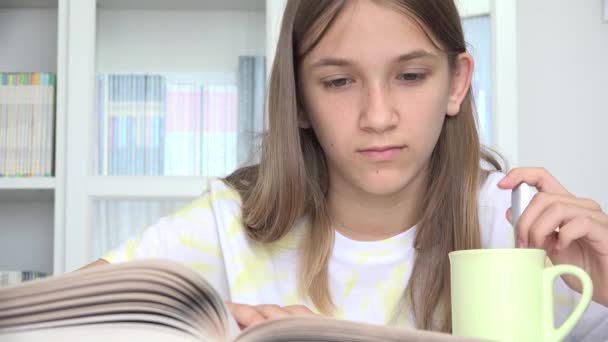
(367, 278)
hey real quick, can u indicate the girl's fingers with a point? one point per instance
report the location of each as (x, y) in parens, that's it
(556, 214)
(575, 229)
(539, 204)
(299, 310)
(574, 222)
(270, 311)
(245, 315)
(537, 177)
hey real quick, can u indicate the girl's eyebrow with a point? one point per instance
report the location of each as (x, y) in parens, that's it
(332, 61)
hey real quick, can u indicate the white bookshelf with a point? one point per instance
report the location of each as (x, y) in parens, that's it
(45, 224)
(29, 4)
(27, 183)
(184, 5)
(29, 207)
(141, 36)
(146, 187)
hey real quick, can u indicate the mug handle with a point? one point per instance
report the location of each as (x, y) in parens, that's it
(549, 275)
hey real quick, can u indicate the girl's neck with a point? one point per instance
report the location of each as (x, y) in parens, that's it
(365, 217)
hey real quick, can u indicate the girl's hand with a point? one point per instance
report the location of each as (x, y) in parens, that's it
(248, 315)
(572, 230)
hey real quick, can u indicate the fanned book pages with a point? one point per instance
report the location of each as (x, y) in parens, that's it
(159, 301)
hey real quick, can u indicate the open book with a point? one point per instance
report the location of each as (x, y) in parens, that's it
(159, 301)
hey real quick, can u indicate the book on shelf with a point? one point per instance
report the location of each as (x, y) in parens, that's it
(156, 300)
(10, 278)
(130, 122)
(27, 124)
(159, 125)
(179, 123)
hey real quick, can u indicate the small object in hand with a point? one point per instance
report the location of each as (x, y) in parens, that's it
(520, 198)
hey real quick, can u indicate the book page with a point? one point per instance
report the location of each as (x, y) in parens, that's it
(117, 332)
(151, 288)
(328, 329)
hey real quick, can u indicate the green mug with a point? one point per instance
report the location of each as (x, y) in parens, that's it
(507, 295)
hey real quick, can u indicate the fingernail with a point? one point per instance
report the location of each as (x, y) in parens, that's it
(521, 244)
(503, 181)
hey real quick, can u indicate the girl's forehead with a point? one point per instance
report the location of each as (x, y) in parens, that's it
(367, 29)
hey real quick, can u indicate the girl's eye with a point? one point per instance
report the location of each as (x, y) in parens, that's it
(338, 83)
(410, 76)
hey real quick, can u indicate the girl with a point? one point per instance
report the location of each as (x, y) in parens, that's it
(371, 172)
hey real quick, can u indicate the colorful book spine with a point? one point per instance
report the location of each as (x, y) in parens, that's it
(27, 119)
(176, 125)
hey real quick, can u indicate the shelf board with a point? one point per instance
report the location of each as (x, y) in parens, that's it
(27, 189)
(28, 4)
(146, 187)
(184, 5)
(31, 183)
(26, 195)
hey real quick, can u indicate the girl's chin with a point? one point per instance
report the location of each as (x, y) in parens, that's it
(384, 184)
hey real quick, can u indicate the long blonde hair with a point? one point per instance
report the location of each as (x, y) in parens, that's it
(291, 182)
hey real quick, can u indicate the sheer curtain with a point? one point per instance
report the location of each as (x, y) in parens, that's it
(115, 221)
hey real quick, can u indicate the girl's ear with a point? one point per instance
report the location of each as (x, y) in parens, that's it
(460, 82)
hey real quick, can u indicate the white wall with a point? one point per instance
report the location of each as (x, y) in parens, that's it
(129, 40)
(562, 92)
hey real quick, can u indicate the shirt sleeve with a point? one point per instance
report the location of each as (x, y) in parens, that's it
(189, 236)
(496, 232)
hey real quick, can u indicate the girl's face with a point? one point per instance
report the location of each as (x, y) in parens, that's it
(376, 92)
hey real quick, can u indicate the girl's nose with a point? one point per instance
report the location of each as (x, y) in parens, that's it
(378, 113)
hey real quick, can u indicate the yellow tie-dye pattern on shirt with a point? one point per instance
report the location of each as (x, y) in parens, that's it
(350, 283)
(390, 291)
(339, 313)
(363, 256)
(206, 202)
(291, 298)
(288, 243)
(131, 247)
(399, 242)
(202, 267)
(364, 302)
(190, 241)
(110, 257)
(255, 271)
(235, 228)
(187, 212)
(229, 194)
